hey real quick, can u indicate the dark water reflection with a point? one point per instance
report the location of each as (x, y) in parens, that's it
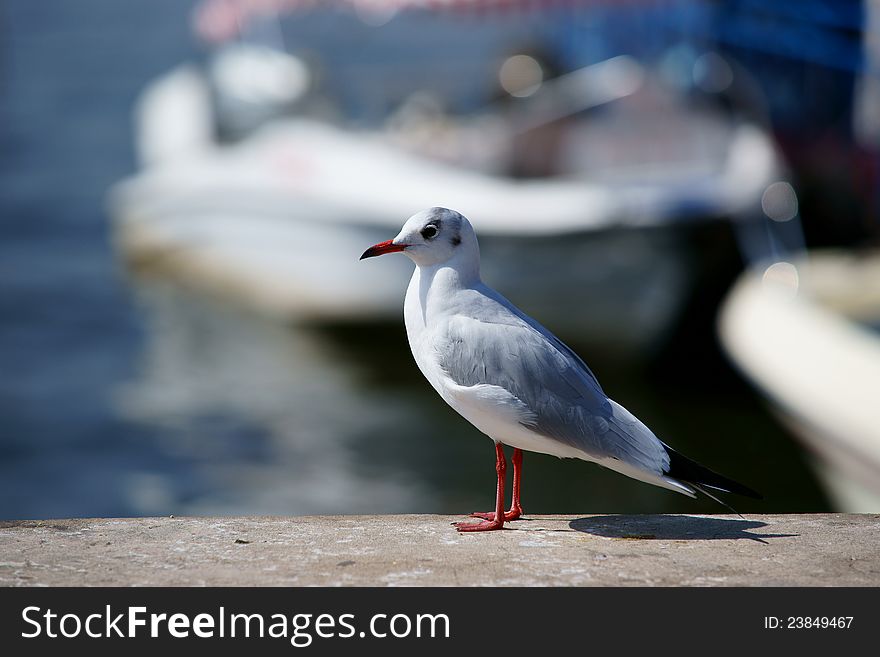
(280, 419)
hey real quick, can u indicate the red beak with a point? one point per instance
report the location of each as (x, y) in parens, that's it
(382, 248)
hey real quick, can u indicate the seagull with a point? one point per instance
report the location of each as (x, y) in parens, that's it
(513, 379)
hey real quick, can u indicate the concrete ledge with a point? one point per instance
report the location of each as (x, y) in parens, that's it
(424, 550)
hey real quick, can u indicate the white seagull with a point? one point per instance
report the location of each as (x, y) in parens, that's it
(513, 379)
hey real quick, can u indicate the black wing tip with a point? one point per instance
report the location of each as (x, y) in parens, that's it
(689, 471)
(734, 487)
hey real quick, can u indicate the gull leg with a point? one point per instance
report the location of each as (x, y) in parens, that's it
(515, 507)
(497, 519)
(515, 512)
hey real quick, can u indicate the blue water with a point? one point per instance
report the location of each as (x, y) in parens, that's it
(69, 73)
(121, 396)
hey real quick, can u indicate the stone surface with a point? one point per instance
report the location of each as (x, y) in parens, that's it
(785, 550)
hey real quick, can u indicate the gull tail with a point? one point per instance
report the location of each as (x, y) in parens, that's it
(690, 472)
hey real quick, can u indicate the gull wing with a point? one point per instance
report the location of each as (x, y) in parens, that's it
(501, 347)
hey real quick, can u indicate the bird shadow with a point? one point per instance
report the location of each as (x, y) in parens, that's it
(672, 528)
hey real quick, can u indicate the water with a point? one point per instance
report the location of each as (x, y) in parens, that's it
(125, 397)
(68, 329)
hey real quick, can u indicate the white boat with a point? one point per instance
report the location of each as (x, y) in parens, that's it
(278, 219)
(806, 334)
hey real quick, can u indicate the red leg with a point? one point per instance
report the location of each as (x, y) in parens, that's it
(497, 521)
(515, 506)
(515, 511)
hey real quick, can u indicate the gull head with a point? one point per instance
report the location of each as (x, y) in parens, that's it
(437, 236)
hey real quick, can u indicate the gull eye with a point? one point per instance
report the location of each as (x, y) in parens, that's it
(430, 231)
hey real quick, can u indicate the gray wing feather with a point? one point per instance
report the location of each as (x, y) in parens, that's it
(562, 395)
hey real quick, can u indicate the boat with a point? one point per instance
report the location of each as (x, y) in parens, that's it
(805, 333)
(592, 238)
